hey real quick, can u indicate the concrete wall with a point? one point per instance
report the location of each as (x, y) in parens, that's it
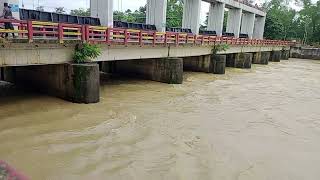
(29, 54)
(305, 53)
(73, 82)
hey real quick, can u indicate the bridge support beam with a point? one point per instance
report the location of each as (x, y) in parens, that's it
(247, 24)
(275, 56)
(216, 17)
(285, 54)
(234, 21)
(102, 9)
(261, 58)
(191, 15)
(198, 63)
(157, 13)
(243, 60)
(219, 64)
(78, 83)
(258, 30)
(166, 70)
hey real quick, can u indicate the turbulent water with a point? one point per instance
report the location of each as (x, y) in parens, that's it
(258, 124)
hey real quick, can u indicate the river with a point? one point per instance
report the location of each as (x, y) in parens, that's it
(258, 124)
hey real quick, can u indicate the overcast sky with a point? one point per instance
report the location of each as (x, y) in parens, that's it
(121, 5)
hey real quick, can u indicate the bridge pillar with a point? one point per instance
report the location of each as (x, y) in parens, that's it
(243, 60)
(216, 17)
(285, 54)
(247, 24)
(198, 63)
(156, 14)
(258, 30)
(78, 83)
(261, 58)
(275, 56)
(191, 15)
(166, 70)
(230, 60)
(219, 64)
(234, 21)
(103, 9)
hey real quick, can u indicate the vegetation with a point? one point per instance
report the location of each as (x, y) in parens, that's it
(85, 52)
(60, 10)
(285, 22)
(219, 47)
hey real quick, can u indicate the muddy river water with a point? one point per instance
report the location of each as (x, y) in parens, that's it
(258, 124)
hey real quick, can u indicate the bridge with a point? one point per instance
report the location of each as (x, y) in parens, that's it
(41, 55)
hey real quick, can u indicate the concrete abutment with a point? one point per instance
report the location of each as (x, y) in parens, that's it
(78, 83)
(166, 70)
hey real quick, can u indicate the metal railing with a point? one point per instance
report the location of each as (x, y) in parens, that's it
(34, 30)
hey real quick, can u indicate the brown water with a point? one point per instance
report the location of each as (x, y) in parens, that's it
(258, 124)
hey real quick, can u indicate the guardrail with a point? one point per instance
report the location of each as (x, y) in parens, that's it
(33, 30)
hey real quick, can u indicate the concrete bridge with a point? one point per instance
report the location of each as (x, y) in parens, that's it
(41, 56)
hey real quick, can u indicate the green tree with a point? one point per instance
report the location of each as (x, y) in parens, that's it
(174, 13)
(40, 8)
(59, 10)
(80, 12)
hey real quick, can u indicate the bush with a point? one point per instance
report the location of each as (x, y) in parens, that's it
(86, 52)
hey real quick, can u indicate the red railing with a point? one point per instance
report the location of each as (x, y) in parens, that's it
(33, 30)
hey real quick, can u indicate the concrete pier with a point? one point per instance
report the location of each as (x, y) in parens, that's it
(78, 83)
(198, 63)
(243, 60)
(260, 58)
(285, 54)
(166, 70)
(275, 56)
(1, 74)
(219, 64)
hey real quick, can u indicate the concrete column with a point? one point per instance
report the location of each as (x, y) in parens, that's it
(247, 24)
(102, 9)
(79, 83)
(243, 60)
(216, 17)
(260, 58)
(191, 15)
(230, 60)
(275, 56)
(219, 64)
(259, 27)
(157, 13)
(234, 21)
(166, 70)
(198, 64)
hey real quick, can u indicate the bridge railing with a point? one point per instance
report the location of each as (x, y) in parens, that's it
(35, 30)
